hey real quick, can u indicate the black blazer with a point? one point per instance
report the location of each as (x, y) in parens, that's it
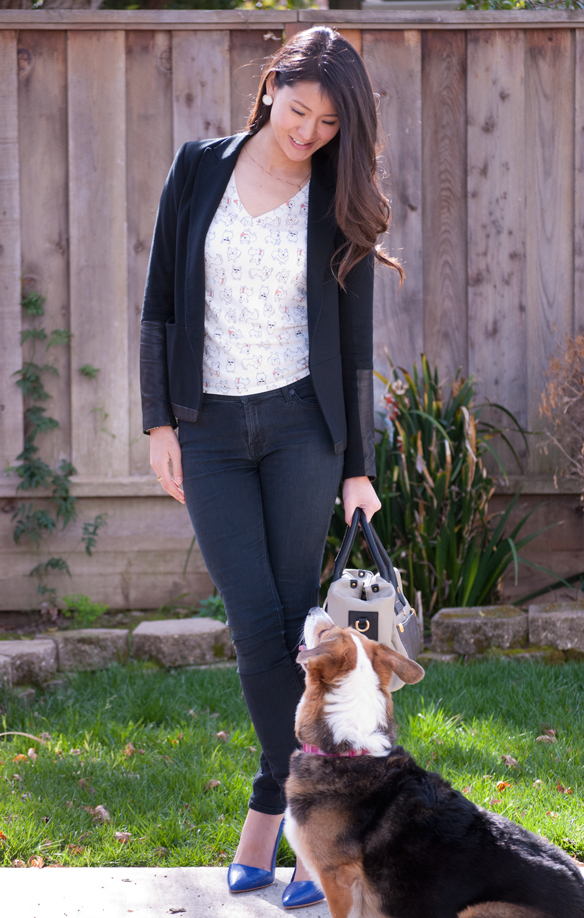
(340, 323)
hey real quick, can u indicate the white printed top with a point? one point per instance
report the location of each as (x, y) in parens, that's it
(256, 330)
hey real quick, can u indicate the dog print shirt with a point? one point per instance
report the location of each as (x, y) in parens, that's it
(256, 328)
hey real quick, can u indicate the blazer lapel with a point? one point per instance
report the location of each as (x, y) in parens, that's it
(213, 174)
(321, 232)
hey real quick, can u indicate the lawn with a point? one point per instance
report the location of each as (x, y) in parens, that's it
(147, 748)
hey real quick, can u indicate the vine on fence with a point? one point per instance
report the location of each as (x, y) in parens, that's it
(34, 524)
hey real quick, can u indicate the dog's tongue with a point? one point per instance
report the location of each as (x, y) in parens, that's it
(301, 647)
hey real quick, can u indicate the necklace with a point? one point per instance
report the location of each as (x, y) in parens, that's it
(277, 177)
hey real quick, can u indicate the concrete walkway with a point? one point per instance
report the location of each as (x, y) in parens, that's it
(139, 892)
(143, 892)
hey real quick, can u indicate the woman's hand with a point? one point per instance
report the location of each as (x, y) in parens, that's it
(164, 455)
(359, 492)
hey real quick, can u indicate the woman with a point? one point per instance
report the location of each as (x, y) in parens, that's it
(257, 337)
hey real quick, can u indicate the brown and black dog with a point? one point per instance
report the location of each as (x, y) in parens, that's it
(384, 837)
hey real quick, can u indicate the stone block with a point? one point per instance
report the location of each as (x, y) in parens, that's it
(183, 642)
(5, 671)
(91, 648)
(478, 628)
(558, 624)
(30, 661)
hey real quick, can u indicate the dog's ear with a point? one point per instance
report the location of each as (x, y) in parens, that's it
(321, 661)
(387, 661)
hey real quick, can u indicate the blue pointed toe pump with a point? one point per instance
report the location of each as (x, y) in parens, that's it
(241, 878)
(301, 893)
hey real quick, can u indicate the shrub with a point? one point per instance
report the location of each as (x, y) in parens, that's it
(562, 407)
(434, 491)
(213, 607)
(82, 609)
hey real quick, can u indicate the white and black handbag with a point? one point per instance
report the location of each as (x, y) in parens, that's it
(373, 604)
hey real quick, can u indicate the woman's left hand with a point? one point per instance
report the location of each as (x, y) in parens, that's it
(359, 492)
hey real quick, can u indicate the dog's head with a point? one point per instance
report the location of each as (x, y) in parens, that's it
(347, 703)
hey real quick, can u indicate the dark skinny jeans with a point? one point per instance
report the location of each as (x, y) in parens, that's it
(260, 481)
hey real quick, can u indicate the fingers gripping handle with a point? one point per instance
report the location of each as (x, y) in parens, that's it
(375, 546)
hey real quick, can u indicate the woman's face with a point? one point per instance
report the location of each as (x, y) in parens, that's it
(302, 118)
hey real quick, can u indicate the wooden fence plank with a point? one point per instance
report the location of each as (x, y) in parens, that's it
(292, 28)
(579, 186)
(248, 52)
(97, 221)
(11, 407)
(42, 113)
(277, 19)
(138, 562)
(200, 81)
(444, 210)
(496, 220)
(393, 60)
(549, 80)
(355, 36)
(149, 152)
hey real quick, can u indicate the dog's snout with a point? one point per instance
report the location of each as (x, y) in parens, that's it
(315, 620)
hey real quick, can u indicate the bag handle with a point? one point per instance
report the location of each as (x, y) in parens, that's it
(380, 558)
(391, 575)
(375, 546)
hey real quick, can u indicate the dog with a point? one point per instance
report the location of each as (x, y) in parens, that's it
(383, 837)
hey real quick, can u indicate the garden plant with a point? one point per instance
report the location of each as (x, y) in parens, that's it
(33, 524)
(434, 490)
(562, 408)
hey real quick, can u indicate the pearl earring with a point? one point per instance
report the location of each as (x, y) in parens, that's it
(267, 100)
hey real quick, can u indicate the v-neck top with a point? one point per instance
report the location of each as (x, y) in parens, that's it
(256, 326)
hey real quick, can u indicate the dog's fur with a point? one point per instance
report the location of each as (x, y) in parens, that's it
(384, 837)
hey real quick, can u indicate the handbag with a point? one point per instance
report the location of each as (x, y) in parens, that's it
(373, 604)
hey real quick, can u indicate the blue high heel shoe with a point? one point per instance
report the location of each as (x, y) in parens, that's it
(300, 893)
(241, 878)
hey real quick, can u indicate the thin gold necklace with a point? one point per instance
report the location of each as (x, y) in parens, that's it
(277, 177)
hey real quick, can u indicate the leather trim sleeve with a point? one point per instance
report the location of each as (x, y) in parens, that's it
(156, 407)
(183, 413)
(367, 420)
(356, 326)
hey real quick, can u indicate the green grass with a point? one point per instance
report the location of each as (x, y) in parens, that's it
(460, 720)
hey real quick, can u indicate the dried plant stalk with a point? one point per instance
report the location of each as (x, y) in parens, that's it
(562, 407)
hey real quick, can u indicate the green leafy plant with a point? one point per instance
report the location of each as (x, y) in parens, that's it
(30, 380)
(42, 572)
(83, 609)
(29, 523)
(32, 334)
(524, 5)
(434, 491)
(213, 607)
(90, 530)
(202, 4)
(33, 304)
(59, 336)
(89, 371)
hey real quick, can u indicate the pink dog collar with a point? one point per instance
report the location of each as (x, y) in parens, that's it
(352, 753)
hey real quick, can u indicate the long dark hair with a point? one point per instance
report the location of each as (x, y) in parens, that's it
(362, 212)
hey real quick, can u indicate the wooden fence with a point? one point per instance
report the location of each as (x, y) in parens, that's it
(483, 124)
